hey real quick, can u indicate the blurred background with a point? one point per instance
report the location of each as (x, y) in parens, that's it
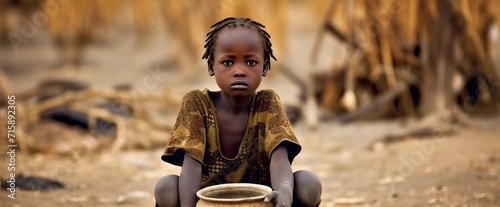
(396, 102)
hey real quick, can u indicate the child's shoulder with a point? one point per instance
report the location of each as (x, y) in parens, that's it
(196, 100)
(262, 96)
(267, 95)
(264, 93)
(195, 93)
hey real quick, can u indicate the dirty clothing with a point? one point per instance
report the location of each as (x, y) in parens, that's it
(196, 133)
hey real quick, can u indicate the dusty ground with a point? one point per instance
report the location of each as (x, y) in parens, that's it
(456, 170)
(461, 169)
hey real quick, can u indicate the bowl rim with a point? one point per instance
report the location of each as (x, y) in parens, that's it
(260, 187)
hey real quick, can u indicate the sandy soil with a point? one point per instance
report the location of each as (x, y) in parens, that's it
(452, 170)
(462, 169)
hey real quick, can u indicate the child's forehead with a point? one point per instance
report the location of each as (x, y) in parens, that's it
(242, 31)
(239, 36)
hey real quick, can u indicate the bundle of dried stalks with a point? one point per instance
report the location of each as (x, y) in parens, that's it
(75, 24)
(408, 58)
(121, 119)
(5, 88)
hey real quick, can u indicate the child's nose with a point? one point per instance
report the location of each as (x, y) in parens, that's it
(239, 72)
(239, 75)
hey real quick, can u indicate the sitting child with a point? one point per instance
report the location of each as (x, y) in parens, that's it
(235, 135)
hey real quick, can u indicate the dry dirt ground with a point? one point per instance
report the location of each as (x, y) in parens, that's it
(461, 169)
(441, 170)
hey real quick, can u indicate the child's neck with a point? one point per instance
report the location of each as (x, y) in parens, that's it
(235, 105)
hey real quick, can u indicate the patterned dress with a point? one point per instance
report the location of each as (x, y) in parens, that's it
(196, 133)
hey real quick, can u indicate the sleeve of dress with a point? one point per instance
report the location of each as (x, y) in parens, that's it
(278, 127)
(189, 133)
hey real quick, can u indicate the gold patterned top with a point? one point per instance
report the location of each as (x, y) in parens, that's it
(196, 133)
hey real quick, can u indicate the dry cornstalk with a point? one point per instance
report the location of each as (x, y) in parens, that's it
(446, 42)
(126, 97)
(137, 130)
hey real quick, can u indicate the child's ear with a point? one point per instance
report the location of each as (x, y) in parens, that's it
(264, 72)
(210, 70)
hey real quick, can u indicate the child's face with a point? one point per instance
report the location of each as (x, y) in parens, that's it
(238, 61)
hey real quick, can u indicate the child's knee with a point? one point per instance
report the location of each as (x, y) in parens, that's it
(307, 189)
(166, 190)
(167, 182)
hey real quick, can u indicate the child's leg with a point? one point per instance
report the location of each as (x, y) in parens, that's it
(307, 189)
(166, 191)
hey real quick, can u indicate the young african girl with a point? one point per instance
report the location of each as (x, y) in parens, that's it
(236, 134)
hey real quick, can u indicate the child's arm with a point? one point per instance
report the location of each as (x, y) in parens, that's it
(281, 178)
(189, 181)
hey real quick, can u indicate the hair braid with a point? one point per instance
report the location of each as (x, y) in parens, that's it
(234, 22)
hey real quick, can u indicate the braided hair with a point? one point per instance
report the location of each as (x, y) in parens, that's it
(231, 22)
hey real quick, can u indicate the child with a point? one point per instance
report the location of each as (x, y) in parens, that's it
(235, 135)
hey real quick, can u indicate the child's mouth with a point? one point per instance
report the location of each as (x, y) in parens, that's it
(239, 85)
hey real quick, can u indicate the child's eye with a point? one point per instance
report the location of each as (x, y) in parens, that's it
(227, 62)
(251, 62)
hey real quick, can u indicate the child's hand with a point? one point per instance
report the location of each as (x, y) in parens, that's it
(281, 198)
